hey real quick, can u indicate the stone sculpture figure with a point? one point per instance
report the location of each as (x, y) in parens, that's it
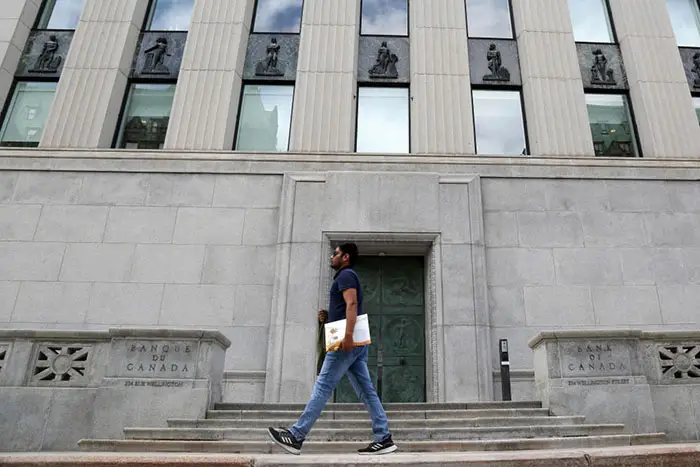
(498, 71)
(600, 73)
(155, 58)
(385, 65)
(268, 65)
(696, 69)
(48, 61)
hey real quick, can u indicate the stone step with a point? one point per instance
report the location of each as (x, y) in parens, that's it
(391, 406)
(359, 434)
(311, 447)
(362, 414)
(395, 423)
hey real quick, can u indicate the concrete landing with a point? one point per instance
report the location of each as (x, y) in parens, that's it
(678, 455)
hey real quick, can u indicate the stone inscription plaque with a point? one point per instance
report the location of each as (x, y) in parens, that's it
(159, 359)
(594, 359)
(598, 381)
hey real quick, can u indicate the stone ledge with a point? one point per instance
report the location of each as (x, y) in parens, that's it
(585, 334)
(54, 334)
(245, 376)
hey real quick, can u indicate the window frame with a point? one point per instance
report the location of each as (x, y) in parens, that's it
(611, 20)
(254, 21)
(125, 101)
(630, 109)
(40, 17)
(148, 20)
(512, 88)
(359, 85)
(408, 22)
(512, 24)
(263, 82)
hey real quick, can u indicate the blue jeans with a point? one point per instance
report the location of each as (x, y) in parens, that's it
(335, 365)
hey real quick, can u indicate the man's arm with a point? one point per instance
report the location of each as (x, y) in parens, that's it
(350, 296)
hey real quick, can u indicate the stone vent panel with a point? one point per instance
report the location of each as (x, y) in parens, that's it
(3, 355)
(679, 361)
(61, 365)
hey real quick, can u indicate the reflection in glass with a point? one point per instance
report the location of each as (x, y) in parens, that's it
(696, 103)
(591, 21)
(384, 17)
(685, 18)
(170, 15)
(60, 14)
(145, 121)
(498, 121)
(489, 18)
(27, 113)
(382, 120)
(266, 115)
(611, 125)
(278, 16)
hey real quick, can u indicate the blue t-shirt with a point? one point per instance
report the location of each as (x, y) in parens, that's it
(344, 279)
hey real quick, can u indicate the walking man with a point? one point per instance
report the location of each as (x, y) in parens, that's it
(345, 303)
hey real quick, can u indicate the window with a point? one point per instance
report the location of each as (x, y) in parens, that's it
(685, 18)
(145, 120)
(696, 103)
(611, 125)
(277, 16)
(60, 14)
(170, 15)
(489, 18)
(384, 18)
(498, 122)
(27, 113)
(265, 118)
(591, 21)
(382, 120)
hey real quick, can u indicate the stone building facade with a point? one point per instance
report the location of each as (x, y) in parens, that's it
(527, 165)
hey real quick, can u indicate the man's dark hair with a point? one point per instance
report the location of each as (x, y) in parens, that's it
(351, 250)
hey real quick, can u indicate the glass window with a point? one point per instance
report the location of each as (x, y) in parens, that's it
(489, 18)
(685, 18)
(170, 15)
(611, 125)
(266, 115)
(278, 16)
(382, 120)
(27, 113)
(696, 102)
(591, 21)
(384, 18)
(60, 14)
(498, 121)
(146, 117)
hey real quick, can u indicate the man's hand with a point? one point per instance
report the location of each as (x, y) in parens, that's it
(322, 316)
(347, 344)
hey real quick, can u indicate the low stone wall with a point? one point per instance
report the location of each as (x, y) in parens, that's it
(58, 387)
(648, 380)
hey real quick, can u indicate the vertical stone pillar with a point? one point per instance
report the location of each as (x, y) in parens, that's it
(205, 106)
(442, 121)
(90, 93)
(324, 108)
(16, 20)
(554, 101)
(661, 101)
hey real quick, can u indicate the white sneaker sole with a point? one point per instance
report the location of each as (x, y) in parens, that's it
(388, 450)
(289, 449)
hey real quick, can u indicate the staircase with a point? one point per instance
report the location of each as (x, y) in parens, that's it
(343, 428)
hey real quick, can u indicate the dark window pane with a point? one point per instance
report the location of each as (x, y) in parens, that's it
(170, 15)
(611, 125)
(685, 18)
(278, 16)
(266, 115)
(26, 116)
(498, 120)
(590, 21)
(696, 102)
(382, 120)
(60, 14)
(489, 18)
(384, 17)
(145, 121)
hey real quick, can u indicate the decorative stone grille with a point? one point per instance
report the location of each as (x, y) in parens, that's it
(58, 364)
(3, 355)
(680, 361)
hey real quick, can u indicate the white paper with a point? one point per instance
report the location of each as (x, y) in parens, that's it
(335, 333)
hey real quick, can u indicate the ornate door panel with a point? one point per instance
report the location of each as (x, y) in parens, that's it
(393, 299)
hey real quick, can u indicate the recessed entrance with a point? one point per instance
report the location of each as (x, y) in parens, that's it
(394, 299)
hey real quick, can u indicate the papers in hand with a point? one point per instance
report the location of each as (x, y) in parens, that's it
(335, 333)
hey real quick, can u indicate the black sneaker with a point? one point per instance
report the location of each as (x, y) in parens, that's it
(382, 447)
(285, 439)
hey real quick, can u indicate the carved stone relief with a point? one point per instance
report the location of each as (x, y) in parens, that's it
(498, 71)
(384, 59)
(600, 73)
(45, 54)
(159, 55)
(680, 361)
(691, 65)
(601, 66)
(272, 57)
(385, 65)
(494, 62)
(61, 365)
